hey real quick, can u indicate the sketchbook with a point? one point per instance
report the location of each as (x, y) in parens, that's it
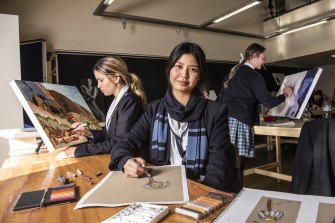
(53, 108)
(287, 207)
(116, 189)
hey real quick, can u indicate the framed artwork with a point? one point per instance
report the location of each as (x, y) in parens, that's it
(303, 84)
(53, 109)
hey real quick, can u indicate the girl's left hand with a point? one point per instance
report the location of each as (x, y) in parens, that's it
(67, 153)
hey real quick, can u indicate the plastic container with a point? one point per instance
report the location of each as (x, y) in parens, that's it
(326, 109)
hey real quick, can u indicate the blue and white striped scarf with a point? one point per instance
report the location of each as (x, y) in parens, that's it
(197, 145)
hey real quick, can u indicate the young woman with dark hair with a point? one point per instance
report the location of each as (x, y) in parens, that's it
(242, 91)
(182, 128)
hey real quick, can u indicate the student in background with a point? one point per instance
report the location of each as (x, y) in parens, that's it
(316, 100)
(242, 91)
(182, 128)
(128, 105)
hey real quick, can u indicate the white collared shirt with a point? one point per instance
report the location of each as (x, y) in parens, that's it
(181, 130)
(250, 65)
(114, 104)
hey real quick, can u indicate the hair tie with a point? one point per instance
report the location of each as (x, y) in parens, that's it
(242, 58)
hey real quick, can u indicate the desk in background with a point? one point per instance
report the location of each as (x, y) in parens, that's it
(277, 132)
(21, 141)
(317, 112)
(40, 171)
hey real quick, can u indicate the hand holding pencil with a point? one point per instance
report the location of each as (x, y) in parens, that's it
(80, 129)
(287, 91)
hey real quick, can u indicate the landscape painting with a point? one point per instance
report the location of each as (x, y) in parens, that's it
(53, 109)
(303, 84)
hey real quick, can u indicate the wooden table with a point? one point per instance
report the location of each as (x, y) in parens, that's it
(277, 132)
(40, 171)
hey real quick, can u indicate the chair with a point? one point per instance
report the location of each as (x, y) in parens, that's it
(314, 165)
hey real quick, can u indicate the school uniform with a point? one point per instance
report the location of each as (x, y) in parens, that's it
(244, 93)
(314, 165)
(128, 110)
(209, 157)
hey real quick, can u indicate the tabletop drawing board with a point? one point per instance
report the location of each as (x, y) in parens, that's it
(53, 108)
(116, 189)
(303, 84)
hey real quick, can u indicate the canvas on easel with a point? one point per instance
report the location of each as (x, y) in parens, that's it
(53, 108)
(303, 84)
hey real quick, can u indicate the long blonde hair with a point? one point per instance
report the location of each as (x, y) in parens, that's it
(112, 65)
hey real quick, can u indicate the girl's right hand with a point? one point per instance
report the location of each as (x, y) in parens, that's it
(79, 129)
(288, 90)
(134, 167)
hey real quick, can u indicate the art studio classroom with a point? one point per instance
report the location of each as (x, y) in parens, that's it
(167, 111)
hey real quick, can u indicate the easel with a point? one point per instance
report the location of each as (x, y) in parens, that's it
(37, 150)
(309, 110)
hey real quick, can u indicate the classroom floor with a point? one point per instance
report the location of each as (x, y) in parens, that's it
(263, 156)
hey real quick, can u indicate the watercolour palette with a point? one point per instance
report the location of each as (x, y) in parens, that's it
(52, 196)
(60, 194)
(140, 213)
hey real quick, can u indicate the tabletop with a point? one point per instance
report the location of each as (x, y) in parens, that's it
(40, 171)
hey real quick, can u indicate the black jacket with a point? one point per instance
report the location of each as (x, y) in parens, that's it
(127, 112)
(221, 170)
(314, 165)
(244, 93)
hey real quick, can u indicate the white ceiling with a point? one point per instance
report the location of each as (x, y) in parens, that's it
(194, 13)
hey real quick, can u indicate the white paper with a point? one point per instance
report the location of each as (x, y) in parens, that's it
(245, 202)
(289, 123)
(112, 181)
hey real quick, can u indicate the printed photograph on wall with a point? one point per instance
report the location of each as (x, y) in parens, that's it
(93, 97)
(303, 84)
(53, 109)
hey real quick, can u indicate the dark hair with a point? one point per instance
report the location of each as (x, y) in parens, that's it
(252, 49)
(318, 102)
(112, 65)
(318, 92)
(199, 55)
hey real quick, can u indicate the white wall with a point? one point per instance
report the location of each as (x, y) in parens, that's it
(327, 81)
(308, 41)
(71, 25)
(11, 111)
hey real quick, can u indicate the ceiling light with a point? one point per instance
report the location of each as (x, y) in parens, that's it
(332, 55)
(304, 27)
(108, 2)
(236, 10)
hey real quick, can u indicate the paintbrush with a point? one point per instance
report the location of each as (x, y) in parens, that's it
(81, 125)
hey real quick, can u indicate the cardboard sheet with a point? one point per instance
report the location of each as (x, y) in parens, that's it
(116, 189)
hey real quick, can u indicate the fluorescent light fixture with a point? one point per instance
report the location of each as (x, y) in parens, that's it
(304, 27)
(237, 10)
(108, 2)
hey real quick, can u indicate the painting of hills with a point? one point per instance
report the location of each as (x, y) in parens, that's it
(53, 109)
